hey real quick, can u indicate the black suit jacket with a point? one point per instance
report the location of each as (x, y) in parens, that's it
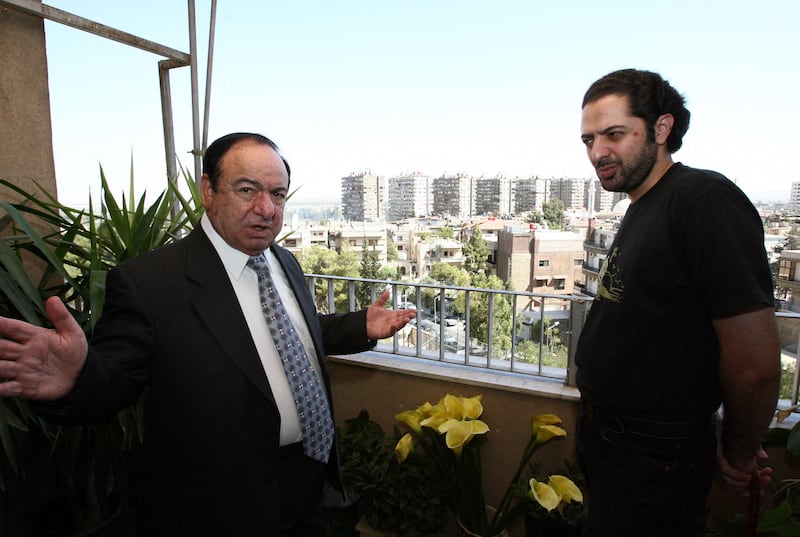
(172, 323)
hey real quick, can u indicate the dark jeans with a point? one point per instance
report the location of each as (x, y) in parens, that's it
(645, 478)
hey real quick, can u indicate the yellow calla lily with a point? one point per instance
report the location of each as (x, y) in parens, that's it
(404, 446)
(545, 426)
(544, 419)
(411, 418)
(546, 432)
(566, 489)
(434, 422)
(543, 494)
(458, 433)
(453, 407)
(472, 407)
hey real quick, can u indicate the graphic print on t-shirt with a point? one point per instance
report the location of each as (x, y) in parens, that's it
(610, 286)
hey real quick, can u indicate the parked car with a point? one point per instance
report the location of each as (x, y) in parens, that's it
(450, 321)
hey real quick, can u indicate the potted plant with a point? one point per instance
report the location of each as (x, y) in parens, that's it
(556, 508)
(448, 433)
(73, 477)
(390, 498)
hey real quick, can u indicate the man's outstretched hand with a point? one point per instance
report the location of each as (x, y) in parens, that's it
(39, 363)
(382, 322)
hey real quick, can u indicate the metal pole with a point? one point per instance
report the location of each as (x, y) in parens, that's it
(167, 119)
(206, 110)
(196, 150)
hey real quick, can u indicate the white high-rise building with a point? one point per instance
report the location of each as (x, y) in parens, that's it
(794, 198)
(363, 197)
(409, 196)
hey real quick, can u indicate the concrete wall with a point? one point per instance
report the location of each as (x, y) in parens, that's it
(507, 411)
(26, 135)
(385, 393)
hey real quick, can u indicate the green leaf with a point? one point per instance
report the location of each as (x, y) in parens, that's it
(772, 517)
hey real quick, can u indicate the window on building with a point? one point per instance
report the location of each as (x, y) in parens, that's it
(785, 270)
(578, 262)
(559, 283)
(544, 263)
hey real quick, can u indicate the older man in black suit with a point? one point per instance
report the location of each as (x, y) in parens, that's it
(224, 438)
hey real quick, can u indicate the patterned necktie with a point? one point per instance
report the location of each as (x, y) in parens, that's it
(307, 390)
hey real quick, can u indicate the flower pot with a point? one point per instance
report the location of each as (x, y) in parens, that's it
(549, 527)
(490, 511)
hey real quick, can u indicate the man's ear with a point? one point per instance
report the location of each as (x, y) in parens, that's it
(663, 127)
(206, 190)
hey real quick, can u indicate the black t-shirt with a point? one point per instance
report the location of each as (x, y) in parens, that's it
(688, 251)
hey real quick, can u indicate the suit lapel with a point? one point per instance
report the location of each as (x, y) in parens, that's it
(215, 303)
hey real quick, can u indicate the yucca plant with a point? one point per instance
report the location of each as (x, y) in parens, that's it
(79, 465)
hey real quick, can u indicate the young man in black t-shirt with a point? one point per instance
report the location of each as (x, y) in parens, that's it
(683, 321)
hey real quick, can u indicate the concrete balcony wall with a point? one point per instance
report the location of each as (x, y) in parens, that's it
(385, 385)
(369, 382)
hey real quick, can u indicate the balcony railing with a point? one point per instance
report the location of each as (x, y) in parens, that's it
(494, 329)
(530, 334)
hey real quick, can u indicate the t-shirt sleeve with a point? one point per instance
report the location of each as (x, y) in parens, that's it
(722, 242)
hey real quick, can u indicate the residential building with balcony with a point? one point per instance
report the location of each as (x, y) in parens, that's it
(602, 200)
(787, 283)
(358, 236)
(493, 196)
(363, 197)
(408, 196)
(596, 247)
(540, 261)
(794, 196)
(571, 192)
(490, 229)
(453, 196)
(530, 194)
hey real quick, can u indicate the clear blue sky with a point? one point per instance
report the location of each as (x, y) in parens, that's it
(428, 85)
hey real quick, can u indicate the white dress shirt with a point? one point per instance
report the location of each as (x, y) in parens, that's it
(245, 285)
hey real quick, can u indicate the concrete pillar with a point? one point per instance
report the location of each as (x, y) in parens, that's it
(26, 140)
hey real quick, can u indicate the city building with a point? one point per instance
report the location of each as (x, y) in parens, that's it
(408, 196)
(794, 196)
(453, 196)
(363, 197)
(530, 194)
(358, 236)
(493, 196)
(571, 192)
(542, 261)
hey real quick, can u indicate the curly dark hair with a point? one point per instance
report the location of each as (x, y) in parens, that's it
(649, 97)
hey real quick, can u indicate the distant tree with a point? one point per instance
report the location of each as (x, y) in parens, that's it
(534, 217)
(391, 250)
(448, 274)
(554, 213)
(792, 242)
(446, 232)
(479, 313)
(370, 270)
(476, 253)
(320, 260)
(389, 273)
